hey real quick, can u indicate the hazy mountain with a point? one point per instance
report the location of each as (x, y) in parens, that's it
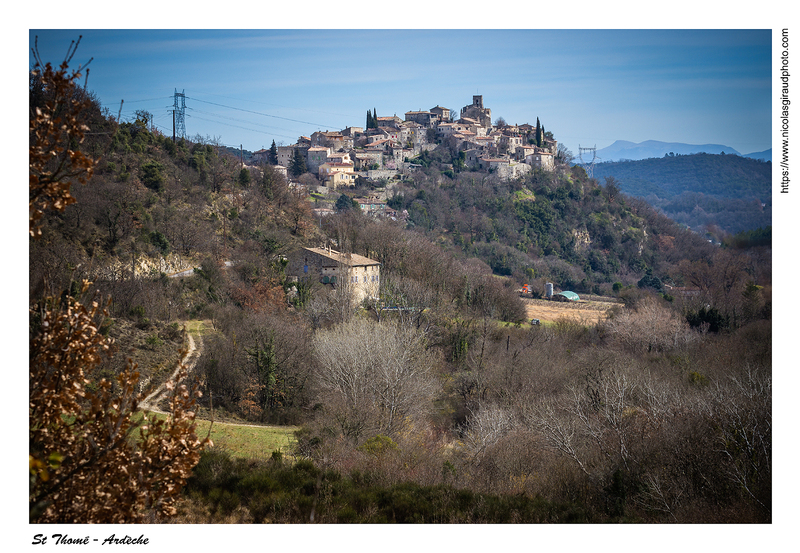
(624, 150)
(766, 155)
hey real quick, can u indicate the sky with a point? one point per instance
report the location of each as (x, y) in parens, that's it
(588, 87)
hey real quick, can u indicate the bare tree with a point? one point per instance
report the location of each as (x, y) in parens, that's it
(742, 407)
(558, 431)
(485, 427)
(405, 297)
(373, 377)
(650, 327)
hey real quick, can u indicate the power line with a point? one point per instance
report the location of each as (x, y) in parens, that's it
(320, 125)
(149, 99)
(235, 119)
(281, 106)
(245, 128)
(178, 112)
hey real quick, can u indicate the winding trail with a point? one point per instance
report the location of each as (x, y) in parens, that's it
(193, 351)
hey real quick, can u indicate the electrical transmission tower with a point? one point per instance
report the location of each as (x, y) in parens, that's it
(178, 114)
(588, 165)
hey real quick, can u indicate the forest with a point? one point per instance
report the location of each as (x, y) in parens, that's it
(719, 194)
(449, 407)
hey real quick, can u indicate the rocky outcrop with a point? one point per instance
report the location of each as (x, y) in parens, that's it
(144, 266)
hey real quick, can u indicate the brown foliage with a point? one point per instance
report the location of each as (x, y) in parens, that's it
(56, 131)
(650, 327)
(374, 378)
(90, 461)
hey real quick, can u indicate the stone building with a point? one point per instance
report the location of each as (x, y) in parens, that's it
(372, 205)
(352, 272)
(392, 121)
(333, 140)
(424, 118)
(477, 112)
(541, 160)
(260, 156)
(442, 113)
(316, 156)
(365, 160)
(286, 153)
(336, 175)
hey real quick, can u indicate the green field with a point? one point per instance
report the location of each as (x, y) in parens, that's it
(245, 442)
(249, 442)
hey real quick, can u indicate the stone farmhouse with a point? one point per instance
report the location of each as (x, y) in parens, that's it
(339, 158)
(357, 274)
(372, 205)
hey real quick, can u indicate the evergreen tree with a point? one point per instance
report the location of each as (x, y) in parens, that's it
(298, 163)
(538, 133)
(244, 178)
(374, 118)
(345, 203)
(272, 156)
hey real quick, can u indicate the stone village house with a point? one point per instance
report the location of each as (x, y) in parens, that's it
(357, 273)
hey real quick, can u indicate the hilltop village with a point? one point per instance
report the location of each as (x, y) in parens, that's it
(388, 147)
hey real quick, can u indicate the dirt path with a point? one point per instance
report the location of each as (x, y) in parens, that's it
(194, 348)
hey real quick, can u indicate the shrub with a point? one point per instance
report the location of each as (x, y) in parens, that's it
(151, 175)
(649, 327)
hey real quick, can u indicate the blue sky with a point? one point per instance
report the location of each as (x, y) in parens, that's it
(589, 87)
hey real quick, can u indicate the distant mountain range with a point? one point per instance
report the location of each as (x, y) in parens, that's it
(625, 150)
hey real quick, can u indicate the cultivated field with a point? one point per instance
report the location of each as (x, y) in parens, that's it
(582, 311)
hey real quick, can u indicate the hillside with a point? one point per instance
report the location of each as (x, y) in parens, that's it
(700, 190)
(434, 400)
(560, 227)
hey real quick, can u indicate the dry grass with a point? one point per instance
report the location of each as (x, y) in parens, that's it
(584, 312)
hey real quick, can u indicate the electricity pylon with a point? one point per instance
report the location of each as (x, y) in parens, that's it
(178, 115)
(588, 166)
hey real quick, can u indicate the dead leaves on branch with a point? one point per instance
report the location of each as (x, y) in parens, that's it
(92, 460)
(56, 133)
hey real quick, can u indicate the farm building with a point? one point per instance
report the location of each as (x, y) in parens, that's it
(327, 266)
(566, 295)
